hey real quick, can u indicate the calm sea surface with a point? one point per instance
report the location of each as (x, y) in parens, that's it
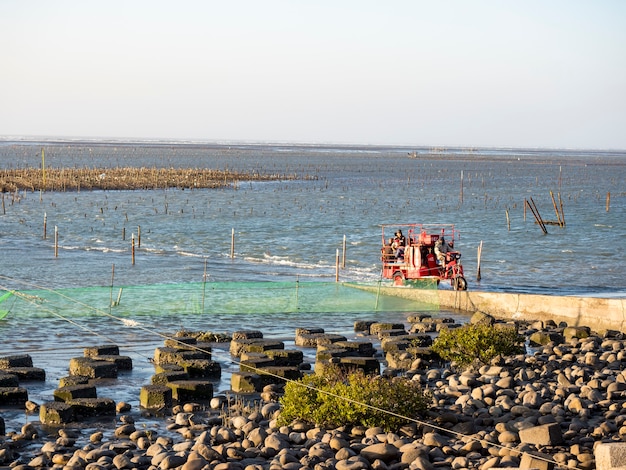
(287, 232)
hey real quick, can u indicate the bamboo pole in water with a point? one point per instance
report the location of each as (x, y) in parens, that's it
(337, 266)
(608, 201)
(232, 243)
(138, 236)
(508, 220)
(45, 223)
(132, 250)
(56, 242)
(480, 252)
(343, 259)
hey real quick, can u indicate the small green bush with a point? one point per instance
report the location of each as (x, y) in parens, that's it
(480, 343)
(336, 399)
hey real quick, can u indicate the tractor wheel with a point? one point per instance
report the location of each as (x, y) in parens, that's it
(459, 283)
(398, 278)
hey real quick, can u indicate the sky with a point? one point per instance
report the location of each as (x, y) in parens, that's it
(530, 73)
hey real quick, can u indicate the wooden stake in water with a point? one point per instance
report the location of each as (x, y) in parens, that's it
(56, 242)
(508, 220)
(45, 223)
(608, 201)
(132, 250)
(337, 266)
(343, 260)
(232, 243)
(138, 236)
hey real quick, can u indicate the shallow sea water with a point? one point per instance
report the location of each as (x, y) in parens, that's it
(286, 233)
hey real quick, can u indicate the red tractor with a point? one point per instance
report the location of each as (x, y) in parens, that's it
(423, 252)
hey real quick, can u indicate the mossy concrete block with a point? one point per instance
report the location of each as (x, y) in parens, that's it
(122, 362)
(162, 378)
(402, 343)
(238, 347)
(375, 328)
(544, 435)
(191, 390)
(56, 413)
(541, 338)
(179, 341)
(154, 397)
(27, 373)
(13, 396)
(326, 354)
(202, 368)
(254, 364)
(73, 392)
(104, 350)
(18, 360)
(576, 332)
(275, 374)
(389, 333)
(245, 382)
(8, 380)
(3, 429)
(307, 340)
(286, 357)
(91, 368)
(369, 365)
(357, 348)
(247, 334)
(158, 368)
(174, 355)
(419, 318)
(328, 338)
(70, 380)
(92, 407)
(399, 359)
(363, 326)
(423, 327)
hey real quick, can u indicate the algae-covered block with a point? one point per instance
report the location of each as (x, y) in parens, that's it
(105, 350)
(56, 412)
(28, 373)
(191, 390)
(71, 380)
(245, 382)
(18, 360)
(13, 396)
(368, 365)
(121, 362)
(162, 378)
(286, 357)
(201, 368)
(154, 397)
(74, 391)
(91, 368)
(8, 380)
(90, 407)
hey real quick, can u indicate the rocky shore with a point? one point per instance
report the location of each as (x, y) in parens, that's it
(560, 405)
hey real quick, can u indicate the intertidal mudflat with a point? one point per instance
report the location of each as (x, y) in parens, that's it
(550, 407)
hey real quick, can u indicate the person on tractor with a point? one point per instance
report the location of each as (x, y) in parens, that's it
(441, 249)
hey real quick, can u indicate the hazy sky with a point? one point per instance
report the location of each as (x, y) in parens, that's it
(473, 73)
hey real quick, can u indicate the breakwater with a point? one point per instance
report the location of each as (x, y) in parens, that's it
(602, 314)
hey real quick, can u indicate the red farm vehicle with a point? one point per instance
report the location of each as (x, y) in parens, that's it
(414, 252)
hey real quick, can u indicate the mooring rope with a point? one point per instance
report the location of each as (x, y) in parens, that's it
(138, 325)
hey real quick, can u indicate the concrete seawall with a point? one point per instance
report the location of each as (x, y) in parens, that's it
(600, 314)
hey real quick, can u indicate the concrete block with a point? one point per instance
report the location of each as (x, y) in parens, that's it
(155, 397)
(8, 380)
(245, 382)
(175, 355)
(88, 367)
(544, 435)
(202, 368)
(18, 360)
(121, 362)
(13, 396)
(56, 412)
(70, 380)
(191, 390)
(536, 462)
(286, 357)
(369, 365)
(610, 456)
(162, 378)
(382, 326)
(27, 373)
(73, 392)
(247, 334)
(104, 350)
(92, 407)
(357, 348)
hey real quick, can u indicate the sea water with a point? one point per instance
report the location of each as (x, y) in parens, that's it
(286, 233)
